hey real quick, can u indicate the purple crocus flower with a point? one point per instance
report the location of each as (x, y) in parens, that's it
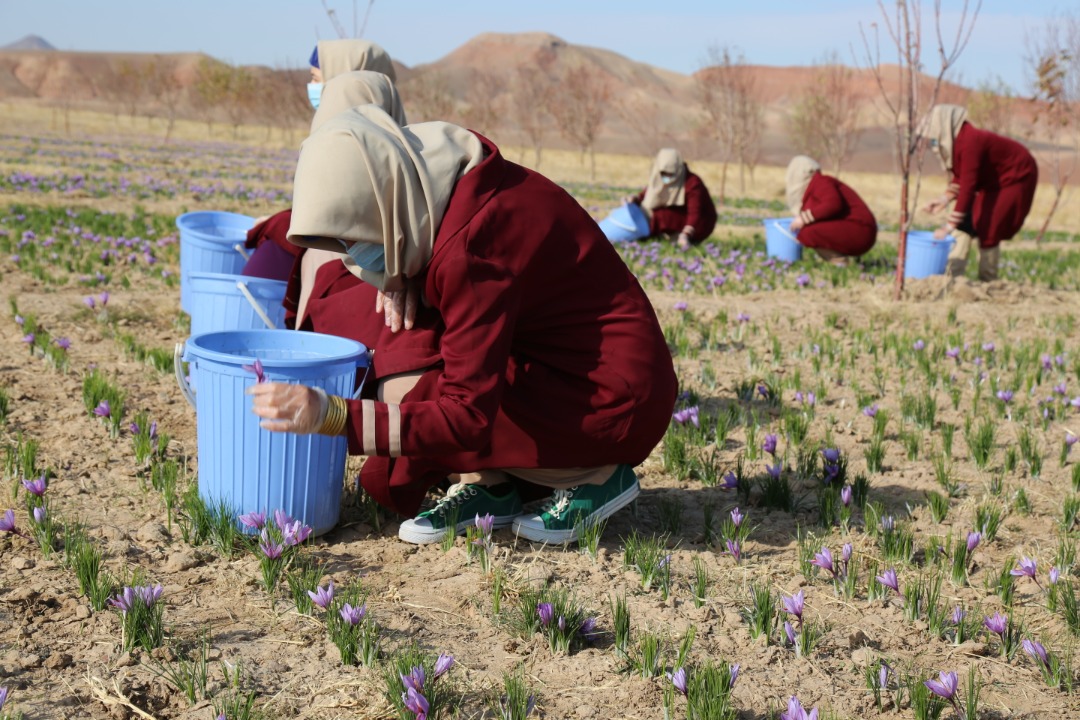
(89, 302)
(775, 470)
(737, 517)
(888, 579)
(7, 521)
(19, 320)
(282, 519)
(124, 600)
(295, 533)
(415, 679)
(845, 555)
(29, 338)
(831, 455)
(253, 520)
(681, 305)
(769, 445)
(870, 410)
(352, 615)
(954, 353)
(888, 523)
(689, 414)
(824, 560)
(795, 604)
(988, 347)
(443, 663)
(3, 697)
(256, 369)
(270, 549)
(149, 595)
(742, 317)
(588, 628)
(734, 674)
(485, 524)
(1061, 389)
(1070, 439)
(1045, 360)
(153, 430)
(973, 540)
(104, 298)
(63, 343)
(1055, 575)
(1005, 396)
(133, 428)
(735, 549)
(103, 410)
(795, 711)
(997, 624)
(789, 633)
(416, 703)
(803, 280)
(39, 515)
(546, 613)
(918, 345)
(1037, 652)
(678, 679)
(323, 596)
(883, 676)
(958, 615)
(945, 686)
(35, 487)
(1025, 568)
(846, 495)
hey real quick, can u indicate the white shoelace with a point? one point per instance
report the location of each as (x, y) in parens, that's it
(560, 502)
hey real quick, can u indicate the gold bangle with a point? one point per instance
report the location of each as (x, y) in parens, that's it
(337, 413)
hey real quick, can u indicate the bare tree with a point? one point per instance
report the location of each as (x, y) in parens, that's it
(911, 98)
(131, 80)
(725, 89)
(990, 106)
(211, 87)
(427, 97)
(483, 107)
(825, 120)
(646, 122)
(159, 79)
(1055, 65)
(579, 110)
(241, 95)
(530, 99)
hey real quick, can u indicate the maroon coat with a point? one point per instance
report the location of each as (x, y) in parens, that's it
(274, 255)
(552, 354)
(994, 180)
(698, 212)
(836, 218)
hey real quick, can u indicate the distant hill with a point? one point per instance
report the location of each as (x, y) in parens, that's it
(30, 42)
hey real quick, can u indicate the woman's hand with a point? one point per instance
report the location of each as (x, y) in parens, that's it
(936, 205)
(629, 199)
(796, 225)
(941, 233)
(399, 306)
(289, 408)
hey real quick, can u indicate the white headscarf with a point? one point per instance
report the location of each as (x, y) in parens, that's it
(360, 87)
(800, 171)
(363, 178)
(342, 56)
(657, 193)
(943, 124)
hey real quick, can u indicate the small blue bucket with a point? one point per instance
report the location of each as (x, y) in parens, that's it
(626, 223)
(926, 256)
(780, 243)
(255, 470)
(235, 302)
(210, 241)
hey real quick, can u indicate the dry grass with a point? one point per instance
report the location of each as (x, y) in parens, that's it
(880, 190)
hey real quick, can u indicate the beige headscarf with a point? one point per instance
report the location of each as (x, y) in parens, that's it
(657, 194)
(363, 178)
(361, 87)
(800, 171)
(342, 56)
(943, 124)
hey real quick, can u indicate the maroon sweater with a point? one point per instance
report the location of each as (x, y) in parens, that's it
(552, 356)
(994, 180)
(836, 218)
(698, 212)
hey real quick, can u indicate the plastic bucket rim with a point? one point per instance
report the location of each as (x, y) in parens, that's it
(192, 347)
(233, 278)
(184, 220)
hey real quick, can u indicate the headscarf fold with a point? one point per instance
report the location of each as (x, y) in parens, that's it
(341, 56)
(363, 178)
(361, 87)
(800, 171)
(943, 124)
(657, 194)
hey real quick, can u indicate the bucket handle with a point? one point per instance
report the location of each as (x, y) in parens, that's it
(367, 371)
(242, 287)
(784, 231)
(185, 388)
(240, 249)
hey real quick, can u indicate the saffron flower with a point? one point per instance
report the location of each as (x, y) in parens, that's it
(998, 624)
(7, 521)
(775, 470)
(795, 604)
(789, 633)
(883, 676)
(846, 495)
(39, 515)
(945, 686)
(870, 410)
(737, 517)
(295, 533)
(256, 369)
(769, 445)
(415, 679)
(323, 596)
(352, 615)
(730, 481)
(282, 520)
(831, 455)
(124, 600)
(35, 487)
(1055, 575)
(681, 305)
(888, 579)
(888, 523)
(28, 338)
(735, 549)
(63, 343)
(958, 615)
(270, 549)
(689, 414)
(742, 317)
(103, 410)
(1026, 567)
(485, 524)
(104, 298)
(795, 711)
(546, 613)
(443, 664)
(89, 302)
(734, 673)
(1037, 652)
(678, 679)
(253, 520)
(824, 560)
(919, 345)
(1005, 396)
(954, 353)
(988, 347)
(415, 702)
(973, 540)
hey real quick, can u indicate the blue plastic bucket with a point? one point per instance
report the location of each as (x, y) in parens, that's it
(235, 302)
(626, 223)
(926, 256)
(780, 243)
(210, 241)
(251, 469)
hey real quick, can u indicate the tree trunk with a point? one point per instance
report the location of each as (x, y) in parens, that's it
(1058, 191)
(537, 149)
(592, 165)
(723, 181)
(901, 251)
(742, 179)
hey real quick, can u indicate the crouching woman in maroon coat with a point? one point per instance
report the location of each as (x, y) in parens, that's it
(553, 368)
(992, 183)
(676, 201)
(830, 217)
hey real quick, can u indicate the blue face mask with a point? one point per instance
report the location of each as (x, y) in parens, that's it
(314, 92)
(369, 256)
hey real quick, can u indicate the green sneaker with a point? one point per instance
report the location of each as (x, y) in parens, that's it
(464, 504)
(558, 522)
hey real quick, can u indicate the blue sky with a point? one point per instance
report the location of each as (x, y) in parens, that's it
(673, 35)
